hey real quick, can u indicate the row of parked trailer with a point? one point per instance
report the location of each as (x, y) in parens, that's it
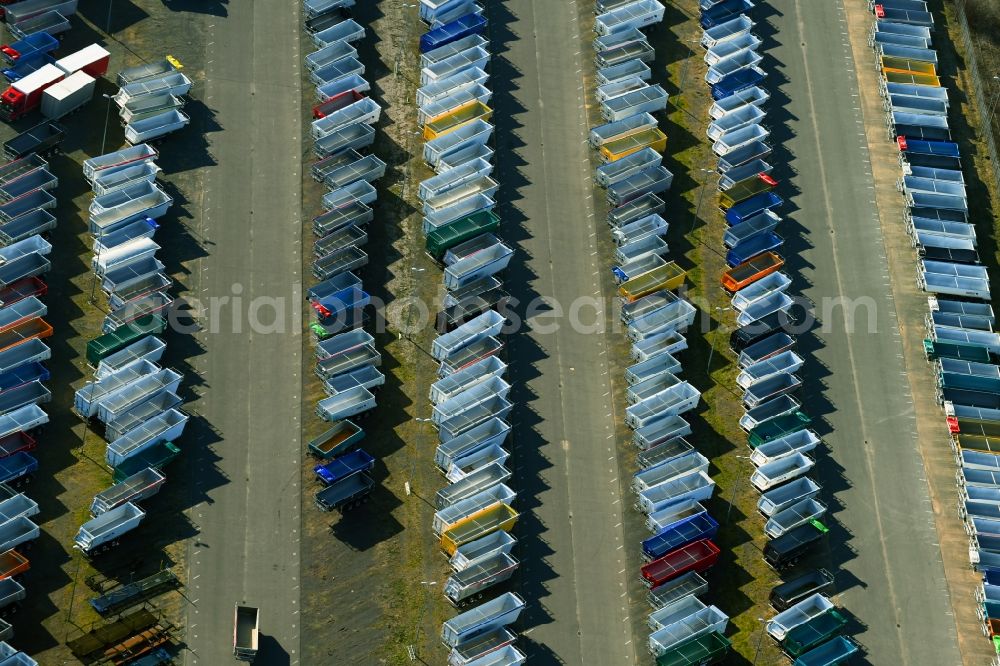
(470, 399)
(346, 358)
(961, 342)
(807, 627)
(27, 192)
(672, 480)
(131, 394)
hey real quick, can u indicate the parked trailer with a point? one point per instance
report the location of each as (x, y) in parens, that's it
(645, 100)
(638, 50)
(655, 180)
(44, 139)
(750, 96)
(772, 283)
(27, 353)
(694, 485)
(346, 493)
(347, 31)
(669, 470)
(734, 83)
(499, 612)
(633, 232)
(474, 505)
(772, 474)
(742, 117)
(151, 70)
(602, 134)
(67, 95)
(664, 643)
(480, 480)
(338, 440)
(25, 9)
(674, 401)
(51, 22)
(745, 42)
(698, 556)
(628, 69)
(674, 612)
(670, 343)
(117, 160)
(246, 632)
(137, 487)
(731, 29)
(141, 413)
(491, 432)
(660, 431)
(12, 508)
(101, 533)
(463, 586)
(810, 607)
(16, 532)
(836, 651)
(637, 14)
(155, 127)
(483, 547)
(176, 84)
(789, 436)
(786, 362)
(34, 47)
(740, 157)
(164, 427)
(731, 65)
(680, 534)
(798, 514)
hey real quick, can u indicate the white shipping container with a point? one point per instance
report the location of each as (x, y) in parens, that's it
(68, 95)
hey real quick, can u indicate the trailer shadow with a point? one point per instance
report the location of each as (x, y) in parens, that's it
(112, 16)
(538, 653)
(358, 528)
(211, 7)
(41, 583)
(270, 651)
(191, 148)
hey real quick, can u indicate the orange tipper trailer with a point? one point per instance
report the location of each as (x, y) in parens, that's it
(750, 271)
(452, 120)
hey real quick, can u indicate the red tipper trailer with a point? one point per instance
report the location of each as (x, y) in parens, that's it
(26, 94)
(22, 289)
(336, 103)
(13, 563)
(697, 556)
(92, 60)
(18, 441)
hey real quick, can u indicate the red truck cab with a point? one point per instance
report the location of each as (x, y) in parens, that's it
(26, 94)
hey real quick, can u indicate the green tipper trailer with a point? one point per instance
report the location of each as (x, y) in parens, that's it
(157, 457)
(935, 349)
(707, 649)
(815, 632)
(778, 427)
(443, 238)
(109, 343)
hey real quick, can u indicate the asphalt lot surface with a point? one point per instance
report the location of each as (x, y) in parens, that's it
(574, 570)
(248, 457)
(882, 541)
